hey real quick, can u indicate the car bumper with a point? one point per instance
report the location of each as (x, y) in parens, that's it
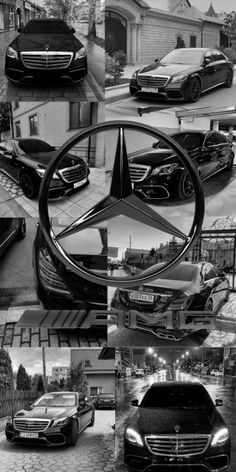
(51, 437)
(18, 73)
(173, 92)
(62, 189)
(105, 406)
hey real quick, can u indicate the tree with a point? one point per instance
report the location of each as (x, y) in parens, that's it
(6, 373)
(77, 380)
(230, 25)
(40, 386)
(59, 8)
(92, 19)
(22, 379)
(5, 112)
(62, 383)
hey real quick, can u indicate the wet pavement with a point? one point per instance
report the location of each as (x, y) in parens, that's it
(131, 388)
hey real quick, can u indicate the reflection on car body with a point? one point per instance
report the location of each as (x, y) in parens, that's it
(11, 229)
(177, 427)
(46, 50)
(157, 173)
(25, 161)
(189, 287)
(55, 419)
(183, 74)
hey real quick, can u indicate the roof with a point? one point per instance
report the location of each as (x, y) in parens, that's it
(191, 13)
(92, 355)
(211, 12)
(175, 383)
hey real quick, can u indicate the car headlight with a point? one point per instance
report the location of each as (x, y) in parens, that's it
(164, 170)
(12, 53)
(178, 78)
(61, 421)
(41, 173)
(9, 420)
(49, 277)
(220, 437)
(80, 53)
(133, 437)
(134, 75)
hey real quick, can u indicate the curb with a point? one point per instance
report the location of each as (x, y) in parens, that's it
(116, 98)
(97, 90)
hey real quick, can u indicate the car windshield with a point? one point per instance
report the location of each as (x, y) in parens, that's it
(57, 399)
(29, 146)
(183, 56)
(46, 27)
(106, 395)
(189, 140)
(175, 396)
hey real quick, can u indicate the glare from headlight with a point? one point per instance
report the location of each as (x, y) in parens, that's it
(133, 437)
(220, 437)
(81, 53)
(178, 78)
(12, 53)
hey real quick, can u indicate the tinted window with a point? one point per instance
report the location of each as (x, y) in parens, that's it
(29, 146)
(53, 399)
(175, 396)
(218, 56)
(181, 272)
(180, 56)
(46, 27)
(210, 141)
(106, 395)
(189, 140)
(219, 138)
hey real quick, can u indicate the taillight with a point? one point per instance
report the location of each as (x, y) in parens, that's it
(180, 303)
(48, 274)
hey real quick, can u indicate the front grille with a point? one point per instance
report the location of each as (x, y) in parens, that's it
(30, 425)
(177, 445)
(138, 172)
(152, 81)
(75, 173)
(46, 60)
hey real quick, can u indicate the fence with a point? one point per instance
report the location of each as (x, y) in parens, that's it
(13, 400)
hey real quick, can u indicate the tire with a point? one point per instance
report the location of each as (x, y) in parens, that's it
(22, 229)
(194, 91)
(28, 186)
(92, 421)
(133, 91)
(229, 79)
(185, 188)
(230, 164)
(227, 296)
(73, 438)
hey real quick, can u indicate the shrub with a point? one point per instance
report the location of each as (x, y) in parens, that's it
(114, 67)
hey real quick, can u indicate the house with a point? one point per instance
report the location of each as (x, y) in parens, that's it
(149, 29)
(15, 13)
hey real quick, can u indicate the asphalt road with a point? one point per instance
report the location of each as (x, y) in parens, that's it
(93, 451)
(132, 388)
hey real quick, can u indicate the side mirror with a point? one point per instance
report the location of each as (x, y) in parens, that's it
(218, 402)
(134, 402)
(72, 30)
(9, 153)
(19, 29)
(207, 61)
(157, 59)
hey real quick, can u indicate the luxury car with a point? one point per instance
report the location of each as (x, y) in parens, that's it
(11, 229)
(216, 373)
(189, 287)
(55, 419)
(177, 427)
(25, 161)
(184, 74)
(46, 50)
(57, 287)
(139, 373)
(105, 401)
(157, 173)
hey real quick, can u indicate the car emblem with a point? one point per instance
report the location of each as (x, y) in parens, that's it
(47, 47)
(120, 201)
(177, 428)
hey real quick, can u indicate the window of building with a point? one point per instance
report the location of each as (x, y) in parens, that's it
(18, 129)
(33, 123)
(79, 115)
(193, 41)
(87, 363)
(95, 391)
(16, 105)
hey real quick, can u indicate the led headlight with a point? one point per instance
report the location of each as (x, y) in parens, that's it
(41, 173)
(61, 421)
(12, 53)
(80, 53)
(220, 437)
(164, 170)
(178, 78)
(134, 75)
(133, 437)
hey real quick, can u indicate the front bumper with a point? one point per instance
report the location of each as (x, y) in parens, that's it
(62, 189)
(51, 437)
(16, 72)
(173, 91)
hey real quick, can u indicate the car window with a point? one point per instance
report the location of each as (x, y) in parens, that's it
(183, 272)
(176, 396)
(209, 141)
(106, 395)
(220, 138)
(189, 140)
(29, 146)
(46, 27)
(209, 55)
(218, 56)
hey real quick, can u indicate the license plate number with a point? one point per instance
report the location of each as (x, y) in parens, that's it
(142, 297)
(29, 435)
(82, 182)
(149, 89)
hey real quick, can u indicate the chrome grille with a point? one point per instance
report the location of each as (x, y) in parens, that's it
(138, 172)
(75, 173)
(45, 60)
(177, 445)
(152, 80)
(30, 425)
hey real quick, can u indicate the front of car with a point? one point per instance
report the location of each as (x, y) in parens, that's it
(46, 51)
(177, 426)
(105, 401)
(48, 422)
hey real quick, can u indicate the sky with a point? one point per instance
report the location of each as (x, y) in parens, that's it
(31, 359)
(218, 5)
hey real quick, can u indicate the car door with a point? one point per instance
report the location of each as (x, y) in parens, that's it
(224, 149)
(221, 70)
(8, 160)
(84, 411)
(217, 281)
(209, 155)
(208, 71)
(7, 228)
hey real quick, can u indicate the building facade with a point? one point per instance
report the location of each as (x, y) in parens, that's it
(16, 13)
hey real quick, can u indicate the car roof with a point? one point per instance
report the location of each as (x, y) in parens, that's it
(61, 392)
(195, 49)
(174, 383)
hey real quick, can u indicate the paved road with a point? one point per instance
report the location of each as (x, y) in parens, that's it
(129, 388)
(93, 451)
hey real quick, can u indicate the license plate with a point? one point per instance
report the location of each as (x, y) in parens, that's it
(29, 435)
(149, 89)
(82, 182)
(142, 297)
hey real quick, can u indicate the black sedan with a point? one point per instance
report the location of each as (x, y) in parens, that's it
(184, 74)
(57, 287)
(105, 401)
(11, 229)
(177, 426)
(25, 161)
(46, 50)
(157, 173)
(189, 287)
(55, 419)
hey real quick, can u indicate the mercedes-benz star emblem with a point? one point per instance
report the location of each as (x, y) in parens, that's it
(121, 201)
(177, 428)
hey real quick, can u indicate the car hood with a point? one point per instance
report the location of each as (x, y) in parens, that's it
(42, 159)
(168, 69)
(54, 42)
(44, 412)
(152, 157)
(164, 420)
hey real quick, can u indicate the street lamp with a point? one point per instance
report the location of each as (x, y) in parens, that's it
(150, 350)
